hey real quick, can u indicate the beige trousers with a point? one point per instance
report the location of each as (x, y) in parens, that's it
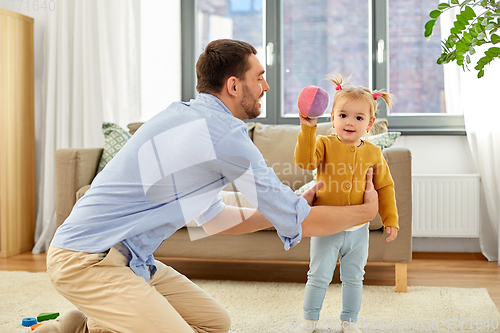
(115, 299)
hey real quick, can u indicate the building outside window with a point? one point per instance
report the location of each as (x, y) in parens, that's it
(379, 43)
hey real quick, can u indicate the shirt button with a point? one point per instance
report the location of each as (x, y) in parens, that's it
(347, 185)
(346, 204)
(352, 150)
(350, 167)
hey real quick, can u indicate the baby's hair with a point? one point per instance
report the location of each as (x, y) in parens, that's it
(347, 91)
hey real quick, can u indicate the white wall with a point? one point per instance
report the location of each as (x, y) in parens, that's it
(160, 55)
(441, 154)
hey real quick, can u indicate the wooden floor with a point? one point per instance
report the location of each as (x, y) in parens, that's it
(463, 270)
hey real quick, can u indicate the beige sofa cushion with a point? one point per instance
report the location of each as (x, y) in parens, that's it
(277, 145)
(81, 191)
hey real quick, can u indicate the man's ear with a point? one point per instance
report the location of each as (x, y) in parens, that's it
(232, 86)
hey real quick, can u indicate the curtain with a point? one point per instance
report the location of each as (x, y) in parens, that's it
(478, 100)
(90, 75)
(482, 119)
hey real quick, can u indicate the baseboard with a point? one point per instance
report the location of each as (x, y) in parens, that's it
(460, 245)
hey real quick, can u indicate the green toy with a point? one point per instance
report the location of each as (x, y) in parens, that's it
(47, 316)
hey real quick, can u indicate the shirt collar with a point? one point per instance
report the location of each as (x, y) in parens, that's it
(209, 98)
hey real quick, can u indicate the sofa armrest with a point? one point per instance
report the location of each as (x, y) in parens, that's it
(399, 250)
(74, 168)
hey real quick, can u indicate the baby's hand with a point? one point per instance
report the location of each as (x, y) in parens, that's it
(393, 233)
(308, 121)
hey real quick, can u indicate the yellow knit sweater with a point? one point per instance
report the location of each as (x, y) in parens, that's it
(343, 169)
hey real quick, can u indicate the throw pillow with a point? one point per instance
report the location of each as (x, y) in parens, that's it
(308, 185)
(134, 127)
(381, 126)
(115, 138)
(384, 140)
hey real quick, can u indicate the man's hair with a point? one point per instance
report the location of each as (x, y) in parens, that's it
(221, 59)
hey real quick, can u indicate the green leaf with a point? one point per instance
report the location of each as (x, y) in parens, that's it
(495, 51)
(429, 26)
(450, 57)
(495, 38)
(469, 13)
(478, 27)
(435, 14)
(440, 60)
(459, 25)
(462, 19)
(454, 2)
(468, 37)
(443, 5)
(480, 74)
(462, 47)
(483, 61)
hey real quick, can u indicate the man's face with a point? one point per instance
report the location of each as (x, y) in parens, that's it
(254, 87)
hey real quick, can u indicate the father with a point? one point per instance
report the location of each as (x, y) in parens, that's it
(170, 172)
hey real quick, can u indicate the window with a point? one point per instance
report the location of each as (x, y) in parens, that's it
(246, 6)
(301, 42)
(320, 40)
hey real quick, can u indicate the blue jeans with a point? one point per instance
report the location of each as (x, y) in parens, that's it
(353, 249)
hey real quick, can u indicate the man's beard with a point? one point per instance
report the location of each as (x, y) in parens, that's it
(252, 109)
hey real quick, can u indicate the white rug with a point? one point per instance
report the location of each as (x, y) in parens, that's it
(277, 307)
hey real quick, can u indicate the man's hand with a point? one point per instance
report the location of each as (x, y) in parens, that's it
(308, 121)
(393, 233)
(371, 195)
(310, 194)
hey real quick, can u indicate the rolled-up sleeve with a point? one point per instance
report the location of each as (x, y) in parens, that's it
(215, 209)
(243, 164)
(303, 210)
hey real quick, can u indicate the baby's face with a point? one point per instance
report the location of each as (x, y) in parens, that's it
(351, 121)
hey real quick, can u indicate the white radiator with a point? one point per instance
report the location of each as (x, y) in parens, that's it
(445, 205)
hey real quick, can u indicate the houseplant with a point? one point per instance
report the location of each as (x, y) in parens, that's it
(475, 25)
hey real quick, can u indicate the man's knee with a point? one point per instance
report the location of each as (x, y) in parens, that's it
(225, 322)
(222, 323)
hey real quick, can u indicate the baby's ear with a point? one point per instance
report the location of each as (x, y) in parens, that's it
(370, 124)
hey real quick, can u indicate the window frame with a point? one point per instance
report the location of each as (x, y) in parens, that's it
(428, 124)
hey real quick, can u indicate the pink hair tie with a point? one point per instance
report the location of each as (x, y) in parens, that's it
(337, 86)
(376, 95)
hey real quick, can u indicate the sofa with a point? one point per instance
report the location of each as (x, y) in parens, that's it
(76, 168)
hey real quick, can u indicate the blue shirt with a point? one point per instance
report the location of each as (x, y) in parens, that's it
(170, 172)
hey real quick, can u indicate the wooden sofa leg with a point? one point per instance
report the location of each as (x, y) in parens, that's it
(401, 277)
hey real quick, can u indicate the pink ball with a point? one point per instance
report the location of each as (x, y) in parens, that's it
(313, 101)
